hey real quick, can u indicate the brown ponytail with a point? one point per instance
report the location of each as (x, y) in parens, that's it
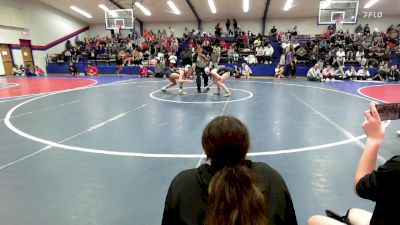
(234, 197)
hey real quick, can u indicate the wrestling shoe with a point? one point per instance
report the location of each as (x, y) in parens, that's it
(228, 94)
(164, 89)
(181, 92)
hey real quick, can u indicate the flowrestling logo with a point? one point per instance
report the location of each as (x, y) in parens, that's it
(374, 15)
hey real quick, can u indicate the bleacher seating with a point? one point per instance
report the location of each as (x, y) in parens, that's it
(106, 63)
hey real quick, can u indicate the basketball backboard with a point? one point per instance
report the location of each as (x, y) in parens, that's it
(331, 11)
(119, 19)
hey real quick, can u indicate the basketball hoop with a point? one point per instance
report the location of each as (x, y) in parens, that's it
(119, 19)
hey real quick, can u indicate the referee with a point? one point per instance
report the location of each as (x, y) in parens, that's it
(200, 60)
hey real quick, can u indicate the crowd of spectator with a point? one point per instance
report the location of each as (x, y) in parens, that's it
(162, 49)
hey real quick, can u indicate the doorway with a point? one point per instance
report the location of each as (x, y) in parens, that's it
(26, 52)
(6, 58)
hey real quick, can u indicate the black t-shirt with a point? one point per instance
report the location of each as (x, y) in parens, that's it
(186, 201)
(72, 68)
(383, 187)
(119, 60)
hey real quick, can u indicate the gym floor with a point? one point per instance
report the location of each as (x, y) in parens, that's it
(104, 150)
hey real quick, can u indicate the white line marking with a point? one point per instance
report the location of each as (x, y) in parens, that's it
(114, 118)
(122, 82)
(156, 155)
(341, 129)
(67, 103)
(311, 148)
(308, 86)
(8, 85)
(380, 158)
(11, 99)
(50, 92)
(201, 102)
(203, 155)
(368, 81)
(23, 158)
(43, 109)
(369, 97)
(74, 136)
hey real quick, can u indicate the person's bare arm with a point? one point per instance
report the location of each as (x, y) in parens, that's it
(182, 77)
(203, 56)
(375, 132)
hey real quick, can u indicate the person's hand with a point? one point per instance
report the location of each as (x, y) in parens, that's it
(372, 124)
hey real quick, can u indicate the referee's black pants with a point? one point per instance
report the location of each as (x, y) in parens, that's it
(201, 71)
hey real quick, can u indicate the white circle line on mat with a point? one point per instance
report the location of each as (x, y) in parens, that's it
(250, 95)
(159, 155)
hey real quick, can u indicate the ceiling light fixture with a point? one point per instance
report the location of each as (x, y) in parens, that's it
(103, 7)
(212, 6)
(246, 4)
(80, 11)
(111, 12)
(370, 3)
(144, 10)
(173, 7)
(288, 5)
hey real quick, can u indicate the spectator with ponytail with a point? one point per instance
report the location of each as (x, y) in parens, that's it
(230, 190)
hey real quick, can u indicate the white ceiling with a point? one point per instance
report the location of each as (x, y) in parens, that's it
(229, 9)
(225, 9)
(309, 8)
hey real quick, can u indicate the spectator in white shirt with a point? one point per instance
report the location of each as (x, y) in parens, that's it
(363, 74)
(260, 54)
(285, 45)
(16, 71)
(350, 74)
(268, 52)
(279, 71)
(251, 59)
(282, 59)
(172, 60)
(295, 44)
(339, 73)
(246, 71)
(314, 73)
(360, 58)
(340, 57)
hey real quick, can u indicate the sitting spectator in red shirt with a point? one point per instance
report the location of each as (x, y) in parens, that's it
(39, 71)
(143, 71)
(92, 70)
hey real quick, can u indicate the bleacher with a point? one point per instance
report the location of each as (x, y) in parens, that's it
(106, 63)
